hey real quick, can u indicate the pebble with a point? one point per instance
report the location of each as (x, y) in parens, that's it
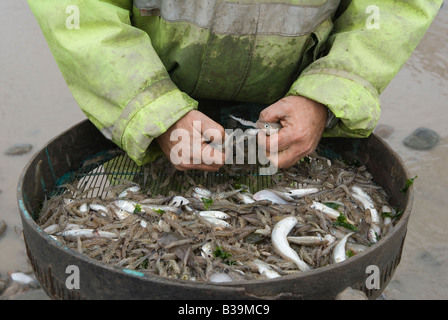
(422, 139)
(4, 281)
(18, 149)
(351, 294)
(21, 278)
(3, 227)
(19, 286)
(383, 130)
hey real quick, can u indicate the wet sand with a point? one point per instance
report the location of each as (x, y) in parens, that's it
(36, 106)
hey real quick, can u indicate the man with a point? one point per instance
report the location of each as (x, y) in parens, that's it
(138, 68)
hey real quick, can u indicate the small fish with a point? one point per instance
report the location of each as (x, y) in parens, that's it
(214, 214)
(68, 200)
(97, 207)
(367, 203)
(126, 205)
(224, 195)
(284, 195)
(265, 270)
(178, 201)
(166, 208)
(268, 127)
(87, 233)
(374, 233)
(311, 240)
(298, 193)
(265, 232)
(362, 197)
(356, 247)
(330, 212)
(271, 196)
(207, 250)
(246, 123)
(245, 198)
(339, 251)
(200, 193)
(217, 223)
(83, 208)
(130, 206)
(129, 191)
(121, 213)
(386, 210)
(281, 245)
(52, 229)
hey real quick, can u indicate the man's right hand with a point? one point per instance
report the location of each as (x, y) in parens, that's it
(186, 143)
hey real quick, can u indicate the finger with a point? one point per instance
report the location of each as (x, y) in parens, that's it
(212, 131)
(274, 112)
(201, 167)
(275, 142)
(213, 135)
(284, 159)
(212, 156)
(205, 159)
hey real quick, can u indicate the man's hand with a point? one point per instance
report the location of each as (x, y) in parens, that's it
(303, 122)
(186, 143)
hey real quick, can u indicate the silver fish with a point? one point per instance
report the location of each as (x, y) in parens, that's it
(97, 207)
(52, 229)
(200, 193)
(245, 198)
(121, 213)
(311, 240)
(178, 201)
(217, 223)
(301, 192)
(214, 214)
(129, 191)
(87, 233)
(265, 270)
(339, 251)
(387, 210)
(268, 127)
(225, 195)
(368, 205)
(126, 205)
(281, 245)
(207, 249)
(271, 196)
(83, 208)
(167, 208)
(130, 206)
(330, 212)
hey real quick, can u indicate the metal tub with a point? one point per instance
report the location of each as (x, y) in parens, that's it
(52, 262)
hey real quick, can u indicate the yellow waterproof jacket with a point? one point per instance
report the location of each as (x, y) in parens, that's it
(136, 67)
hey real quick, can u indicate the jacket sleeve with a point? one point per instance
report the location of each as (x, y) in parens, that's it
(112, 71)
(366, 49)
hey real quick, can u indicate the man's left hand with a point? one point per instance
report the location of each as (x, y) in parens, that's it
(303, 122)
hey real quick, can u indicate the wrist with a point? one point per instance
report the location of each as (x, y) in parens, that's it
(330, 119)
